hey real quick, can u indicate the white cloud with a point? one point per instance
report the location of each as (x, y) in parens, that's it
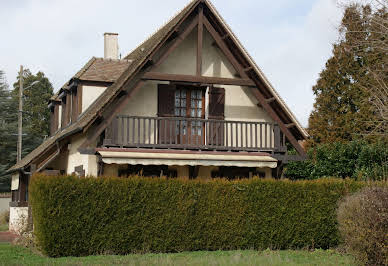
(290, 40)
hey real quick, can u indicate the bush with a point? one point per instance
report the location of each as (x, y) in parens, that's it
(356, 159)
(363, 223)
(4, 217)
(76, 217)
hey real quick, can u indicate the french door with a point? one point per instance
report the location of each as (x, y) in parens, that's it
(190, 103)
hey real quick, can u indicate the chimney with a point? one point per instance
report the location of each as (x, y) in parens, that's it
(111, 46)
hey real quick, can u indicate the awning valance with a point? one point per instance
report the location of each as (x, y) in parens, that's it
(193, 159)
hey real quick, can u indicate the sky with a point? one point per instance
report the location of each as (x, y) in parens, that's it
(290, 40)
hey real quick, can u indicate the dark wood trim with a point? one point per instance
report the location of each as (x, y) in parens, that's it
(197, 79)
(139, 150)
(95, 83)
(176, 43)
(224, 48)
(259, 96)
(79, 93)
(18, 204)
(290, 125)
(270, 100)
(200, 42)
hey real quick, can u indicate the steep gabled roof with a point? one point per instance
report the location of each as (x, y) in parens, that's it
(101, 69)
(135, 60)
(137, 57)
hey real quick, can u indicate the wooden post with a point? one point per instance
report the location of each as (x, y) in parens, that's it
(20, 118)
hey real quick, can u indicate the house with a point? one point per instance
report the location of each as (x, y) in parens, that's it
(187, 102)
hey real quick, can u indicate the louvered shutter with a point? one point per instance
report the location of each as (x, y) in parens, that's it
(166, 106)
(216, 111)
(216, 103)
(166, 100)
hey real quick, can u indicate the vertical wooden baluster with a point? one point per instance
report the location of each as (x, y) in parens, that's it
(226, 134)
(170, 134)
(246, 134)
(265, 135)
(242, 135)
(231, 134)
(256, 146)
(149, 130)
(127, 138)
(122, 131)
(144, 133)
(155, 131)
(217, 129)
(115, 134)
(181, 131)
(133, 130)
(261, 135)
(251, 144)
(138, 131)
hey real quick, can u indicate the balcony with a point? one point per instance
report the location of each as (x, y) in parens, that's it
(193, 134)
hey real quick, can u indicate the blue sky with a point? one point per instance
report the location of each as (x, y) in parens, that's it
(289, 39)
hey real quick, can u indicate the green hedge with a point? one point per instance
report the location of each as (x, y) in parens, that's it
(76, 217)
(355, 159)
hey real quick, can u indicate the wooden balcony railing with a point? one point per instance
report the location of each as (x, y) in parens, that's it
(189, 133)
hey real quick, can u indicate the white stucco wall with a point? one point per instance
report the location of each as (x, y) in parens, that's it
(90, 94)
(75, 158)
(59, 116)
(18, 218)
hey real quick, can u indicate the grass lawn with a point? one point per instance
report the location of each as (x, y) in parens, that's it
(15, 255)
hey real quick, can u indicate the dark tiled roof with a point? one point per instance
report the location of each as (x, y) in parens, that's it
(100, 69)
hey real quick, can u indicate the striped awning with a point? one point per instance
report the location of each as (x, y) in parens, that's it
(192, 159)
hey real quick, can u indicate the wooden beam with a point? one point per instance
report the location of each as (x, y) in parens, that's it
(225, 36)
(260, 97)
(248, 69)
(270, 100)
(177, 42)
(196, 79)
(200, 42)
(290, 125)
(224, 48)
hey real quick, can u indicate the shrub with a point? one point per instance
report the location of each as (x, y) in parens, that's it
(363, 223)
(4, 217)
(356, 159)
(74, 217)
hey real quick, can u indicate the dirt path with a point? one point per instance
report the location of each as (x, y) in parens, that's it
(7, 237)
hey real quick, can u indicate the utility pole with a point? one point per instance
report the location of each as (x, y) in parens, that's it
(20, 118)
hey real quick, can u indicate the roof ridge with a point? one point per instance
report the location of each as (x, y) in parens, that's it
(113, 60)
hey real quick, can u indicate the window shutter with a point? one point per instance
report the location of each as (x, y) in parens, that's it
(166, 100)
(216, 103)
(166, 105)
(216, 111)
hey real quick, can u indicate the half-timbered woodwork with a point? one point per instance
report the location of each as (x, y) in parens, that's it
(187, 102)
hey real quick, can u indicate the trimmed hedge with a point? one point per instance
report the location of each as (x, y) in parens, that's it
(355, 159)
(77, 217)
